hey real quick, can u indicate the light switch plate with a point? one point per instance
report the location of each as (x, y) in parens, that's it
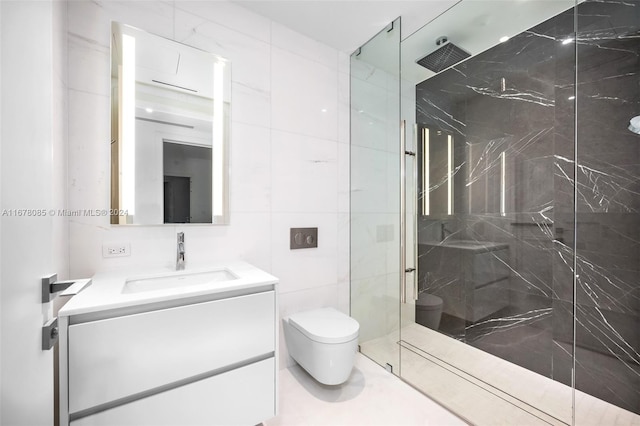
(301, 238)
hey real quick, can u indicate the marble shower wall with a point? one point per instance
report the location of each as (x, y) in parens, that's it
(513, 111)
(608, 203)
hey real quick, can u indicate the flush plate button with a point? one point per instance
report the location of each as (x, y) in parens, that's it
(301, 238)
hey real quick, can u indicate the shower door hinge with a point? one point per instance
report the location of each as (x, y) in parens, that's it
(388, 367)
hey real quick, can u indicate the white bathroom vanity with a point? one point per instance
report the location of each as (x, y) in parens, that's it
(160, 347)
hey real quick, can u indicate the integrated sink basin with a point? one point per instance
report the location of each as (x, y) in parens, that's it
(134, 286)
(185, 279)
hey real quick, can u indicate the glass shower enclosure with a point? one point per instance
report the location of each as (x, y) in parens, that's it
(375, 195)
(495, 190)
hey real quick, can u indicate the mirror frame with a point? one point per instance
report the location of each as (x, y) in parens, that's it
(123, 117)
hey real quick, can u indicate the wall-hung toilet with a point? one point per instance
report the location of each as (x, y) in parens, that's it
(324, 342)
(429, 310)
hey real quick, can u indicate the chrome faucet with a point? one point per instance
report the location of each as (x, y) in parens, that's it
(444, 231)
(180, 252)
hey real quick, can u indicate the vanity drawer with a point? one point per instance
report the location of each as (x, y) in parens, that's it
(120, 357)
(489, 267)
(244, 396)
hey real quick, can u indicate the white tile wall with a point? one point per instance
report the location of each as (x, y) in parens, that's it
(304, 96)
(230, 16)
(307, 173)
(250, 186)
(289, 158)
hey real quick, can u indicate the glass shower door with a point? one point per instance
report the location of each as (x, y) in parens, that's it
(375, 182)
(494, 211)
(482, 330)
(607, 232)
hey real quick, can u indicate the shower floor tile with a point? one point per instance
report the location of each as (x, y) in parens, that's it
(463, 378)
(371, 396)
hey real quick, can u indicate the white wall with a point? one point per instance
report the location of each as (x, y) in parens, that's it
(1, 180)
(289, 159)
(32, 174)
(60, 136)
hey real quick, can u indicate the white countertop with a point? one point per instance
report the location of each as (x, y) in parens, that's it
(106, 289)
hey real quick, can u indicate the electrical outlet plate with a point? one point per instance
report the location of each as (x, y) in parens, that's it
(116, 250)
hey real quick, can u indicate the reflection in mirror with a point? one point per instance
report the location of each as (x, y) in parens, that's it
(436, 172)
(487, 176)
(169, 131)
(485, 183)
(187, 183)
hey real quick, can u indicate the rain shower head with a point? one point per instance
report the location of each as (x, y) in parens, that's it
(446, 55)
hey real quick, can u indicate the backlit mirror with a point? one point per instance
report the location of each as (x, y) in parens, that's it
(170, 122)
(436, 149)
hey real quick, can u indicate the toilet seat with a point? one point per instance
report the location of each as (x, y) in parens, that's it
(325, 325)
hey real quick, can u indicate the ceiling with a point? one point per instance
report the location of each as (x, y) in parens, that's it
(347, 25)
(475, 25)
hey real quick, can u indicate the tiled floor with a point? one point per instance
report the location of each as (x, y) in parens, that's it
(371, 396)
